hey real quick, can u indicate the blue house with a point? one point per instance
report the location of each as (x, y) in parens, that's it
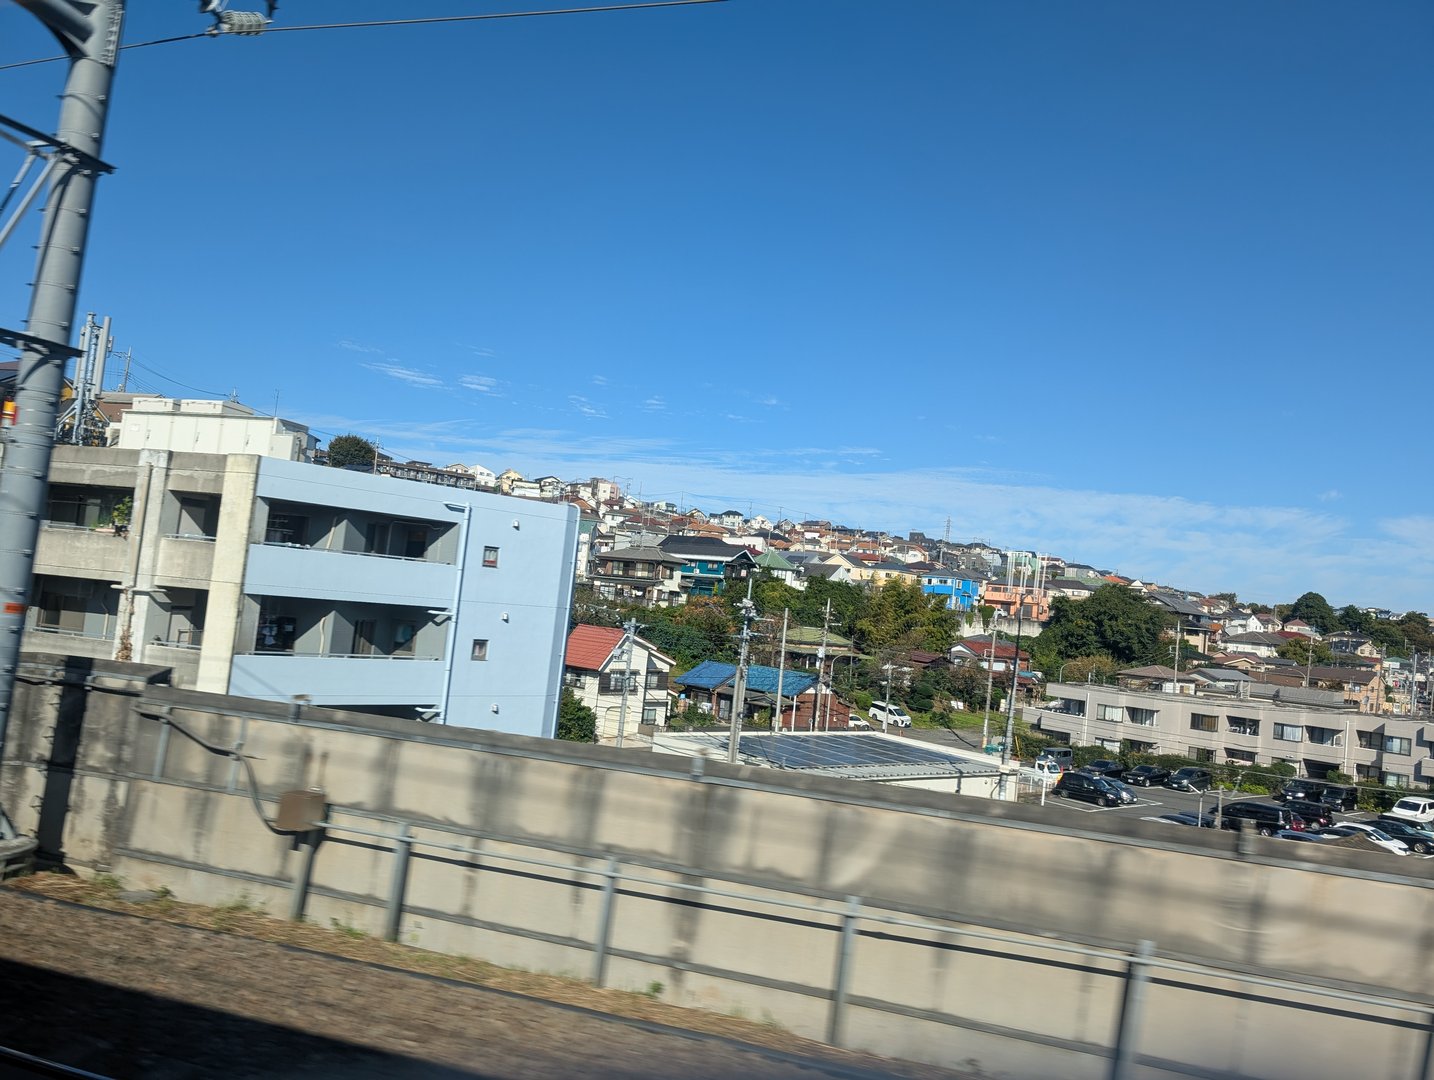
(707, 562)
(961, 593)
(713, 683)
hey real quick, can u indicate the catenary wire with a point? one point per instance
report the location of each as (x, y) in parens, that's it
(427, 21)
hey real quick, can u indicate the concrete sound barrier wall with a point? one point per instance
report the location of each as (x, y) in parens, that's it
(911, 923)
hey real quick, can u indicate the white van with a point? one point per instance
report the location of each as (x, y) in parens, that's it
(888, 713)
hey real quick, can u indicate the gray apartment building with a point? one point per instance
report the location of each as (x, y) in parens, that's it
(272, 578)
(1313, 730)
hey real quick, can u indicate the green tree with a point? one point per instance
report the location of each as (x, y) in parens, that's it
(1355, 621)
(1315, 610)
(1305, 651)
(1414, 625)
(576, 722)
(900, 617)
(1112, 622)
(346, 450)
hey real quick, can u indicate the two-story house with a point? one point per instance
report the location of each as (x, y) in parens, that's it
(707, 563)
(624, 683)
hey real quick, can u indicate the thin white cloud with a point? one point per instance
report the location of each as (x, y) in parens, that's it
(654, 404)
(484, 384)
(478, 350)
(354, 346)
(1329, 496)
(586, 407)
(411, 376)
(599, 380)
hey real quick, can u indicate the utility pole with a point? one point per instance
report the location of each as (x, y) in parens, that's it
(821, 668)
(781, 673)
(629, 629)
(90, 34)
(1015, 684)
(990, 675)
(887, 667)
(739, 684)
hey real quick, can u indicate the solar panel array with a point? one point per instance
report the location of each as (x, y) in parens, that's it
(832, 751)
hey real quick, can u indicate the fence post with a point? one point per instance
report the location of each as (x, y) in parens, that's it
(841, 976)
(1128, 1026)
(298, 897)
(1427, 1059)
(604, 930)
(402, 847)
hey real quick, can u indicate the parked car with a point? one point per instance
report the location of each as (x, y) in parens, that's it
(1097, 789)
(888, 713)
(1190, 817)
(1190, 779)
(1418, 839)
(1267, 818)
(1336, 796)
(1063, 756)
(1316, 814)
(1147, 775)
(1301, 834)
(1418, 808)
(857, 723)
(1377, 837)
(1105, 767)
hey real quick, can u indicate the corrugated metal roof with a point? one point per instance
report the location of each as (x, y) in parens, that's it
(710, 674)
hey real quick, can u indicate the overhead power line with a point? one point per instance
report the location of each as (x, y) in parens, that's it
(429, 21)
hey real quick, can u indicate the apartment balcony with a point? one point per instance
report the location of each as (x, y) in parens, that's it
(338, 679)
(186, 558)
(64, 548)
(285, 570)
(69, 642)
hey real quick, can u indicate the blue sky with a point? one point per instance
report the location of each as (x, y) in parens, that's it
(1148, 286)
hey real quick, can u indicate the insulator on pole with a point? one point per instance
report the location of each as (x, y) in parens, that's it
(248, 23)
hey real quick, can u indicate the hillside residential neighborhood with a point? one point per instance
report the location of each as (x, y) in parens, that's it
(214, 541)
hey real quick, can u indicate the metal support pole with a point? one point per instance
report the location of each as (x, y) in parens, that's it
(92, 39)
(604, 931)
(841, 976)
(402, 849)
(1136, 977)
(1426, 1060)
(299, 896)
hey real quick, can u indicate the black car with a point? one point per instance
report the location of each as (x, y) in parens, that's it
(1335, 796)
(1267, 818)
(1105, 767)
(1097, 789)
(1417, 838)
(1316, 814)
(1190, 778)
(1146, 775)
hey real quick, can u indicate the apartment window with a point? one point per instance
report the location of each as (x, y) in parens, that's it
(1243, 725)
(1201, 753)
(480, 649)
(1366, 772)
(1393, 744)
(1323, 736)
(1204, 722)
(1289, 733)
(1244, 757)
(1114, 713)
(612, 682)
(1143, 717)
(657, 680)
(490, 556)
(1394, 779)
(651, 714)
(1070, 706)
(1368, 740)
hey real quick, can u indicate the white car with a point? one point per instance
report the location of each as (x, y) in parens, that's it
(889, 713)
(1378, 837)
(857, 723)
(1417, 808)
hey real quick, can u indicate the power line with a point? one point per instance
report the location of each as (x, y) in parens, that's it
(434, 20)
